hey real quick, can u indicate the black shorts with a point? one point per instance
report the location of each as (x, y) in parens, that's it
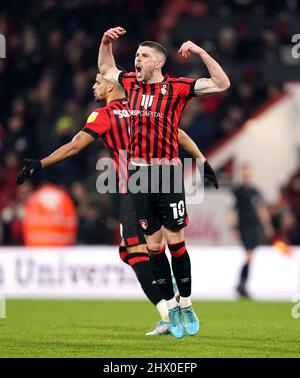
(131, 231)
(251, 236)
(163, 201)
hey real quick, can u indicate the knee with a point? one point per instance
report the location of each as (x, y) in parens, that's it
(174, 237)
(155, 242)
(155, 248)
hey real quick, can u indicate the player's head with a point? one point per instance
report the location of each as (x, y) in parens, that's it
(246, 174)
(149, 59)
(103, 89)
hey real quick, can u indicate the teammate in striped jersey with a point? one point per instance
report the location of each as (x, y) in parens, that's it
(111, 125)
(156, 103)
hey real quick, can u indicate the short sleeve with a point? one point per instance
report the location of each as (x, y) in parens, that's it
(185, 87)
(97, 123)
(126, 79)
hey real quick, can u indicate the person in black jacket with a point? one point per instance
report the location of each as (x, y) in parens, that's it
(252, 222)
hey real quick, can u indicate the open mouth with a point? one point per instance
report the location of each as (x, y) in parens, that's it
(138, 70)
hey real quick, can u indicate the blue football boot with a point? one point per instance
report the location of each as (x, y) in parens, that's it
(190, 320)
(176, 328)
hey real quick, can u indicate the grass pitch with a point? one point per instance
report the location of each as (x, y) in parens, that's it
(116, 329)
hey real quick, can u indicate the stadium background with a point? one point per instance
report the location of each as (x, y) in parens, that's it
(47, 76)
(45, 98)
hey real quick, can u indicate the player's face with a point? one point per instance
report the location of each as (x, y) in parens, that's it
(100, 88)
(246, 175)
(146, 62)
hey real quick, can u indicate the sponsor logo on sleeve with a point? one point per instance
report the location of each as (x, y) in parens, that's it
(92, 117)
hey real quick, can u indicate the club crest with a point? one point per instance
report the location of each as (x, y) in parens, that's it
(164, 89)
(144, 223)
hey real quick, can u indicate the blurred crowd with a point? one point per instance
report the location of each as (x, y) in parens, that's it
(46, 80)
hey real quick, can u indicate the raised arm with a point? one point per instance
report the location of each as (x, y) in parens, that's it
(218, 81)
(187, 143)
(31, 166)
(106, 62)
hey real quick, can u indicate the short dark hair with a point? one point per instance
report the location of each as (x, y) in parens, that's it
(157, 46)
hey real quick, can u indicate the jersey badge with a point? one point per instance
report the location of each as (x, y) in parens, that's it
(144, 223)
(164, 89)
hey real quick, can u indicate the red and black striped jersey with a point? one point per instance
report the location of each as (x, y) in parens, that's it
(155, 111)
(111, 124)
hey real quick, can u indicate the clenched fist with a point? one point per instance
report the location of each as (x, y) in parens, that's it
(189, 47)
(112, 34)
(30, 168)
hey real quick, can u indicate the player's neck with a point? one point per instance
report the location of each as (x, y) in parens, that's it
(114, 96)
(157, 77)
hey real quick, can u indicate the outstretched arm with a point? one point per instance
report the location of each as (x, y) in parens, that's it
(106, 61)
(78, 143)
(218, 81)
(31, 166)
(191, 147)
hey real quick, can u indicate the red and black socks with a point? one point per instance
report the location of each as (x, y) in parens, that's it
(181, 266)
(162, 272)
(139, 261)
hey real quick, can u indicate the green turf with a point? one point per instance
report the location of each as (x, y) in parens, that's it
(116, 329)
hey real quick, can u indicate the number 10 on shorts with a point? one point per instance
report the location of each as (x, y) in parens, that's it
(178, 209)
